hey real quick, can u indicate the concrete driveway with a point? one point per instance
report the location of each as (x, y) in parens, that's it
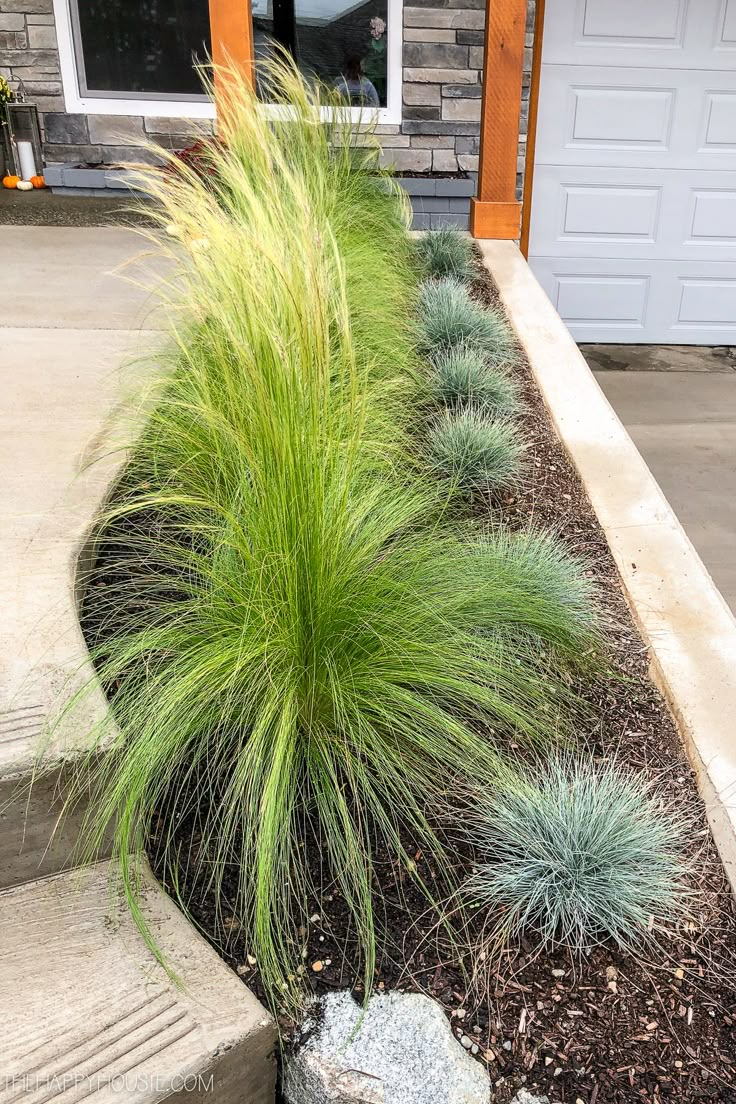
(684, 425)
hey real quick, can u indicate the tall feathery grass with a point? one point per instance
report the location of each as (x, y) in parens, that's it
(296, 652)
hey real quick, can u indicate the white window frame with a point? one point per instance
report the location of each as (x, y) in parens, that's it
(184, 108)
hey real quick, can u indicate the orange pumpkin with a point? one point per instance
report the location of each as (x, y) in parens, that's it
(10, 181)
(38, 182)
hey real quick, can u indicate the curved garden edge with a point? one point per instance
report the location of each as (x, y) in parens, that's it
(684, 621)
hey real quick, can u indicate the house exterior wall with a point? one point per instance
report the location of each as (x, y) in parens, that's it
(441, 92)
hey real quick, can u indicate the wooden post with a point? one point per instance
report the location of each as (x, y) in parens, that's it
(231, 28)
(496, 212)
(531, 130)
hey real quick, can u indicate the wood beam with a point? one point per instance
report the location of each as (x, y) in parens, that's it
(496, 212)
(531, 130)
(231, 29)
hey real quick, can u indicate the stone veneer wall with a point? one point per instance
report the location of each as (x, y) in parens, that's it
(441, 94)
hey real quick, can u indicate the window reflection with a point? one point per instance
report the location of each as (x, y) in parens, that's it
(342, 43)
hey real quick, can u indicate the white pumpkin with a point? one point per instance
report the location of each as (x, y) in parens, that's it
(24, 186)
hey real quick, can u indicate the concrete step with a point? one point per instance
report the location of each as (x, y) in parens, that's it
(86, 1010)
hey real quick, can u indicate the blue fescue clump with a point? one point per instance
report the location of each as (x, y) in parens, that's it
(449, 318)
(463, 376)
(474, 452)
(578, 852)
(446, 252)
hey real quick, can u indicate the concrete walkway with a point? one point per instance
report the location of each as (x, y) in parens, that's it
(68, 328)
(684, 425)
(71, 339)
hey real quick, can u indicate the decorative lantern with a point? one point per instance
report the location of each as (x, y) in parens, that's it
(22, 139)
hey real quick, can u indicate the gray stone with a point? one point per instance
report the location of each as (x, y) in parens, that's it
(455, 187)
(52, 175)
(421, 112)
(468, 20)
(71, 155)
(466, 109)
(428, 17)
(65, 129)
(475, 57)
(415, 186)
(462, 91)
(28, 7)
(416, 126)
(455, 219)
(408, 160)
(116, 130)
(468, 161)
(442, 76)
(42, 36)
(523, 1096)
(444, 160)
(11, 22)
(435, 55)
(432, 141)
(431, 204)
(420, 221)
(83, 178)
(398, 1050)
(470, 38)
(426, 94)
(428, 34)
(13, 40)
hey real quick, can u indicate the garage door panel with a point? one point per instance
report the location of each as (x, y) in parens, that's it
(641, 301)
(648, 34)
(631, 22)
(713, 216)
(719, 132)
(707, 302)
(671, 119)
(602, 117)
(644, 213)
(726, 36)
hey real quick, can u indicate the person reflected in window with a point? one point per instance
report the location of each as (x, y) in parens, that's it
(355, 86)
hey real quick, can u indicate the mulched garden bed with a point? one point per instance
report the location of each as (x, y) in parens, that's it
(612, 1027)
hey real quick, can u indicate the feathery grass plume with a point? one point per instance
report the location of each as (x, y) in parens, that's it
(446, 252)
(292, 649)
(578, 852)
(448, 317)
(462, 376)
(474, 452)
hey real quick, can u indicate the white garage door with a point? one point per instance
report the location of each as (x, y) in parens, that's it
(633, 229)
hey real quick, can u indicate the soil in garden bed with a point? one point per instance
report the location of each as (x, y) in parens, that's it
(610, 1028)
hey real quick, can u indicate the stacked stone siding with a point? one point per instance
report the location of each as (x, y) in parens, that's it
(441, 89)
(441, 92)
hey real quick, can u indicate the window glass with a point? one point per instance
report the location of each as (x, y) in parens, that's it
(142, 46)
(342, 43)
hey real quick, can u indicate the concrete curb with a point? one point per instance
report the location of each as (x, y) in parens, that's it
(684, 621)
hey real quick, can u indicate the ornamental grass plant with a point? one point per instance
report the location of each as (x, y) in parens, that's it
(297, 649)
(446, 252)
(449, 318)
(473, 453)
(575, 852)
(463, 376)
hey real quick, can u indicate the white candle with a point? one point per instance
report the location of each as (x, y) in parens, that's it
(27, 160)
